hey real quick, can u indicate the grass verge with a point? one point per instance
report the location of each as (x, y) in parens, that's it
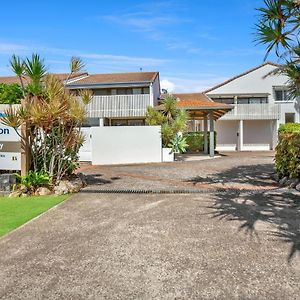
(14, 212)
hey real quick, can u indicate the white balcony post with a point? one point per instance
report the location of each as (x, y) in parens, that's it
(241, 136)
(211, 135)
(274, 134)
(205, 135)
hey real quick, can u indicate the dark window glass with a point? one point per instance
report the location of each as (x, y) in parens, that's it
(146, 90)
(281, 95)
(101, 92)
(121, 91)
(224, 100)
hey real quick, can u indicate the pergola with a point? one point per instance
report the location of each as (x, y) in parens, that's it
(201, 107)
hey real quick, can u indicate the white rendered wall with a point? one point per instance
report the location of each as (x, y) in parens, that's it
(253, 82)
(256, 82)
(126, 145)
(258, 135)
(226, 135)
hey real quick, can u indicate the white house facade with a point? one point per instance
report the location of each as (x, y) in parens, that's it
(261, 104)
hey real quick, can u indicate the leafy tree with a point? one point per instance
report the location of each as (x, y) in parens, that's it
(279, 28)
(171, 119)
(10, 93)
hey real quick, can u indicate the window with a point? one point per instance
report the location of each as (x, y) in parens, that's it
(281, 94)
(289, 118)
(224, 100)
(137, 91)
(253, 100)
(122, 91)
(127, 122)
(101, 92)
(146, 90)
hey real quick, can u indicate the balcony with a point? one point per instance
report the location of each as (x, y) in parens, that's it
(265, 111)
(119, 106)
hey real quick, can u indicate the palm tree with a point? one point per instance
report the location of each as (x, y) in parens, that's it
(279, 29)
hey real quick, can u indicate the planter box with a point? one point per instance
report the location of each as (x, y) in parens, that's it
(167, 155)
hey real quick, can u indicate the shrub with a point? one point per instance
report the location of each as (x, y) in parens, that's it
(178, 144)
(10, 93)
(289, 128)
(287, 157)
(33, 180)
(195, 141)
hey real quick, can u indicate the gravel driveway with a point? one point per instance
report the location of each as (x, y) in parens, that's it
(133, 246)
(244, 170)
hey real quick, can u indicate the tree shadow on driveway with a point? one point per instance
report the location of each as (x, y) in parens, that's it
(256, 175)
(278, 209)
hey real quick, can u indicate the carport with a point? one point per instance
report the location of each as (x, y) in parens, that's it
(201, 107)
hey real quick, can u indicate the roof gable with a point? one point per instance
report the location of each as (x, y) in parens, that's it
(133, 77)
(240, 76)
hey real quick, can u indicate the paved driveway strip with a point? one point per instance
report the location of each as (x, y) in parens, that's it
(118, 246)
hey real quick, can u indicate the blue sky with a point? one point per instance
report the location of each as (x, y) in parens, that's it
(193, 43)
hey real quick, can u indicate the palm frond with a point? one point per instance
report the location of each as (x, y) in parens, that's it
(86, 96)
(76, 65)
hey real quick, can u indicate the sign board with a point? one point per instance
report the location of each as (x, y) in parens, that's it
(10, 148)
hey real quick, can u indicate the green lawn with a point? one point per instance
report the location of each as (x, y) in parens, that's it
(16, 211)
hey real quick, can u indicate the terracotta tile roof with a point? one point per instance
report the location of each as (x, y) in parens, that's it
(199, 105)
(61, 76)
(241, 75)
(197, 100)
(117, 78)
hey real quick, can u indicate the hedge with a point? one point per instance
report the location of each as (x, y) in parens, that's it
(287, 157)
(289, 128)
(195, 140)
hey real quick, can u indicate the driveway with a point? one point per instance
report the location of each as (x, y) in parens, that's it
(244, 170)
(216, 245)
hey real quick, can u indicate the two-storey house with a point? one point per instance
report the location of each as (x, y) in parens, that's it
(261, 104)
(120, 99)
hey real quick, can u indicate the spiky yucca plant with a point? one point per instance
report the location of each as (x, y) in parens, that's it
(52, 119)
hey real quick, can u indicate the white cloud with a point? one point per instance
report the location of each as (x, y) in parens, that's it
(11, 48)
(123, 59)
(167, 85)
(188, 85)
(92, 59)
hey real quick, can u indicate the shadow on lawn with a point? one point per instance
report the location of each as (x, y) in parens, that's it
(257, 175)
(282, 210)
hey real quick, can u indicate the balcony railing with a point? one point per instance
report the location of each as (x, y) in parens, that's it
(119, 106)
(265, 111)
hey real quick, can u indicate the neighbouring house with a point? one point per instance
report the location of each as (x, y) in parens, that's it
(120, 99)
(261, 103)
